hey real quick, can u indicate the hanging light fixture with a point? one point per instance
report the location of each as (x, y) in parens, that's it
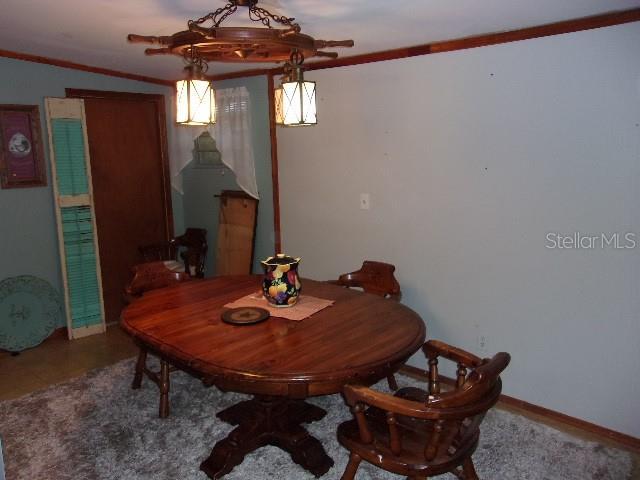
(295, 98)
(195, 97)
(244, 44)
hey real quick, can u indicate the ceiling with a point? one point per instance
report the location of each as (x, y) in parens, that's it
(94, 32)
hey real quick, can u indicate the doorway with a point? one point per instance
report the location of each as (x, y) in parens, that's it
(131, 184)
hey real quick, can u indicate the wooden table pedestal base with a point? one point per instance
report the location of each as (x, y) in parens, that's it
(265, 421)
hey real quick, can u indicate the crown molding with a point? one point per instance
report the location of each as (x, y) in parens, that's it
(27, 57)
(558, 28)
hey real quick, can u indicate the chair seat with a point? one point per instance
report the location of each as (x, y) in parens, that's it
(191, 248)
(415, 435)
(174, 266)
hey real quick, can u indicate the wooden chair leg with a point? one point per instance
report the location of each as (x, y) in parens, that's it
(391, 380)
(164, 389)
(352, 467)
(469, 470)
(140, 364)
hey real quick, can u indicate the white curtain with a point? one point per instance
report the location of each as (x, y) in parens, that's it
(232, 133)
(180, 138)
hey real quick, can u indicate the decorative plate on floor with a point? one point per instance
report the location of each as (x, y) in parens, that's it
(245, 315)
(30, 310)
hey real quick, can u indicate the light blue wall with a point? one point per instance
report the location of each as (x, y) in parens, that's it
(471, 158)
(200, 185)
(28, 238)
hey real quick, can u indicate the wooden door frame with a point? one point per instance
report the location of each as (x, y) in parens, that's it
(158, 100)
(275, 182)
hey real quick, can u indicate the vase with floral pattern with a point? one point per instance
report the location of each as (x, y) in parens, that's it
(281, 284)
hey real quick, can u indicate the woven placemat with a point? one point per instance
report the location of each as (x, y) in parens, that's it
(306, 306)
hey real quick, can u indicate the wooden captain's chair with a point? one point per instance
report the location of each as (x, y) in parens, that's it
(421, 433)
(191, 248)
(146, 277)
(376, 278)
(373, 277)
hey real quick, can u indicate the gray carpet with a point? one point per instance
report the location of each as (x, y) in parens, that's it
(96, 427)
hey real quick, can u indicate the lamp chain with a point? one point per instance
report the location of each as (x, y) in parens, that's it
(256, 14)
(192, 58)
(296, 58)
(217, 17)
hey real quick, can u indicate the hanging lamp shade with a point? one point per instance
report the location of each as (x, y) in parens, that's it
(295, 99)
(196, 102)
(299, 104)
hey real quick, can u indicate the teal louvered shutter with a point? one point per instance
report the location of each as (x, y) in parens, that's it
(68, 145)
(77, 235)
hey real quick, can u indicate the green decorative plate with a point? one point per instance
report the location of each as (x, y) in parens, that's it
(30, 310)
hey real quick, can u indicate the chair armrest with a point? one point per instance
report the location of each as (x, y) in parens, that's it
(443, 406)
(355, 394)
(149, 276)
(364, 281)
(435, 348)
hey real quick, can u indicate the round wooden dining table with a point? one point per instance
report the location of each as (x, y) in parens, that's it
(361, 338)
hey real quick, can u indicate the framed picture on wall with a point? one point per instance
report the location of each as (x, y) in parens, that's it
(21, 152)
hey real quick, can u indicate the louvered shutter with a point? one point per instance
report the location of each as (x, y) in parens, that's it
(77, 235)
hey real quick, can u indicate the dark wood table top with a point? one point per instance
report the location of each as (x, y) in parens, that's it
(361, 338)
